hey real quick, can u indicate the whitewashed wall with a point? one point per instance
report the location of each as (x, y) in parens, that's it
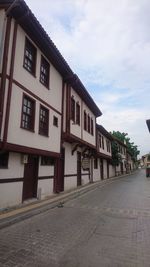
(45, 188)
(111, 171)
(75, 129)
(2, 35)
(105, 168)
(87, 136)
(17, 135)
(15, 167)
(10, 194)
(97, 172)
(54, 95)
(70, 167)
(104, 151)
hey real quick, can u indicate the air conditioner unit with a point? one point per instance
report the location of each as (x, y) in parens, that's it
(24, 159)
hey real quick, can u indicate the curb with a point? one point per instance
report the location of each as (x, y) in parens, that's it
(25, 212)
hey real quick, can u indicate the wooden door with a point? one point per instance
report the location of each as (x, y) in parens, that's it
(30, 178)
(121, 165)
(59, 173)
(102, 170)
(107, 169)
(62, 170)
(78, 168)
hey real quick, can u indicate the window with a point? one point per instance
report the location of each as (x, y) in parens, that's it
(85, 121)
(55, 121)
(28, 113)
(4, 160)
(108, 145)
(95, 164)
(92, 131)
(103, 142)
(72, 109)
(89, 124)
(44, 121)
(77, 114)
(100, 140)
(47, 161)
(29, 57)
(44, 72)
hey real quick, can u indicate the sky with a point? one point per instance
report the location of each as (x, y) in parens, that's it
(107, 44)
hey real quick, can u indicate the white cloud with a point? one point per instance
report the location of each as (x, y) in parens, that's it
(108, 44)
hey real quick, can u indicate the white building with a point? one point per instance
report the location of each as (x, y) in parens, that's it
(122, 149)
(79, 136)
(38, 92)
(102, 162)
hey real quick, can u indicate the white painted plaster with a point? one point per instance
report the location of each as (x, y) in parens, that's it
(2, 35)
(45, 188)
(17, 135)
(105, 168)
(10, 194)
(15, 167)
(75, 129)
(70, 183)
(54, 95)
(85, 179)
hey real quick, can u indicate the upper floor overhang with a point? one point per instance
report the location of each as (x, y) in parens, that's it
(19, 10)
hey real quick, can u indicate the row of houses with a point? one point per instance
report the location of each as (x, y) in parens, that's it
(49, 138)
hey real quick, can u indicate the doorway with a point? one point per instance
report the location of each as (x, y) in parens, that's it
(78, 168)
(30, 178)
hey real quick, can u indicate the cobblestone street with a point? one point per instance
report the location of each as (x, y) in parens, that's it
(108, 226)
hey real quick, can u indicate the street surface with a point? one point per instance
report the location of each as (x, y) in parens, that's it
(108, 226)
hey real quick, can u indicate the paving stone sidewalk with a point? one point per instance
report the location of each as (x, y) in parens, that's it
(24, 211)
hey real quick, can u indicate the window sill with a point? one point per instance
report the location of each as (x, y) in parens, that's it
(44, 135)
(32, 73)
(29, 130)
(46, 86)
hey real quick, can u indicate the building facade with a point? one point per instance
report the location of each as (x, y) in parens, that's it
(49, 139)
(102, 162)
(78, 136)
(42, 112)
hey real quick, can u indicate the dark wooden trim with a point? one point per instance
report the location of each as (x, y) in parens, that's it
(46, 177)
(4, 69)
(33, 117)
(29, 150)
(104, 156)
(35, 96)
(75, 174)
(62, 112)
(83, 174)
(33, 73)
(47, 134)
(10, 180)
(47, 86)
(70, 175)
(82, 119)
(35, 31)
(68, 106)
